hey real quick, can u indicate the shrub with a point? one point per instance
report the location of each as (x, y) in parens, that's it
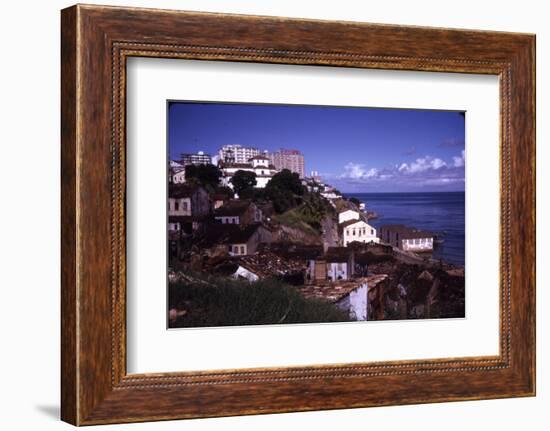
(213, 301)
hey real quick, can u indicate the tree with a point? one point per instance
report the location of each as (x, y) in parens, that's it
(285, 190)
(204, 175)
(244, 182)
(286, 181)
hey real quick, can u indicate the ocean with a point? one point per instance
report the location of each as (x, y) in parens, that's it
(439, 213)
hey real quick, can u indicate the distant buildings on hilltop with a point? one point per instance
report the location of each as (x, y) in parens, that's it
(293, 160)
(232, 158)
(195, 159)
(237, 153)
(259, 165)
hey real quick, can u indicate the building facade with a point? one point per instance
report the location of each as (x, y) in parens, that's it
(246, 241)
(258, 164)
(357, 231)
(186, 206)
(178, 177)
(293, 160)
(407, 238)
(238, 212)
(195, 159)
(237, 153)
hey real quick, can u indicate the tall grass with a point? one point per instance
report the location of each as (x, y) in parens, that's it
(214, 301)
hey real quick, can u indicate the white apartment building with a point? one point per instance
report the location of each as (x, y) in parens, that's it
(237, 153)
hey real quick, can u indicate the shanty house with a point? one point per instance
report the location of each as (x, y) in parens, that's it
(241, 211)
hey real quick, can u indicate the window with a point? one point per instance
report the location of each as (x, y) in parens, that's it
(242, 249)
(372, 231)
(176, 205)
(353, 232)
(184, 206)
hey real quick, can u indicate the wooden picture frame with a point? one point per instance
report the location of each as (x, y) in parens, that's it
(95, 43)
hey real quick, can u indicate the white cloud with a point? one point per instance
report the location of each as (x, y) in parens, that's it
(458, 161)
(422, 164)
(424, 171)
(357, 171)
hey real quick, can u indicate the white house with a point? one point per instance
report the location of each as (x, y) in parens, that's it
(351, 296)
(357, 230)
(356, 302)
(348, 214)
(258, 164)
(178, 177)
(407, 238)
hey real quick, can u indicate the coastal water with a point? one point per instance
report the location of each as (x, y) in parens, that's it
(439, 213)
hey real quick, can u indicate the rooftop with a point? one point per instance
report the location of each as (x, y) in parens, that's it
(218, 233)
(267, 264)
(351, 222)
(336, 291)
(259, 157)
(344, 209)
(226, 165)
(236, 207)
(290, 250)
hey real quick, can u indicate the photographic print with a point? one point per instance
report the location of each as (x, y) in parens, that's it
(295, 214)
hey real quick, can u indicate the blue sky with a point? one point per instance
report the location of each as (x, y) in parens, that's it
(355, 149)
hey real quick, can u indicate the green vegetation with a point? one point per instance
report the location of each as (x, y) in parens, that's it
(207, 176)
(294, 219)
(284, 190)
(244, 183)
(308, 215)
(212, 301)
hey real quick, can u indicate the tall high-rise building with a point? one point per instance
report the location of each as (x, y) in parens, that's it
(196, 159)
(293, 160)
(237, 153)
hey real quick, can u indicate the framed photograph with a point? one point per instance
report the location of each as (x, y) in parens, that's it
(264, 215)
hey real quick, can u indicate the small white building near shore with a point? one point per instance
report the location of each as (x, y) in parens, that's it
(357, 231)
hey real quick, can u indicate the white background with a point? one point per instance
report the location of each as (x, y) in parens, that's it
(29, 228)
(151, 348)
